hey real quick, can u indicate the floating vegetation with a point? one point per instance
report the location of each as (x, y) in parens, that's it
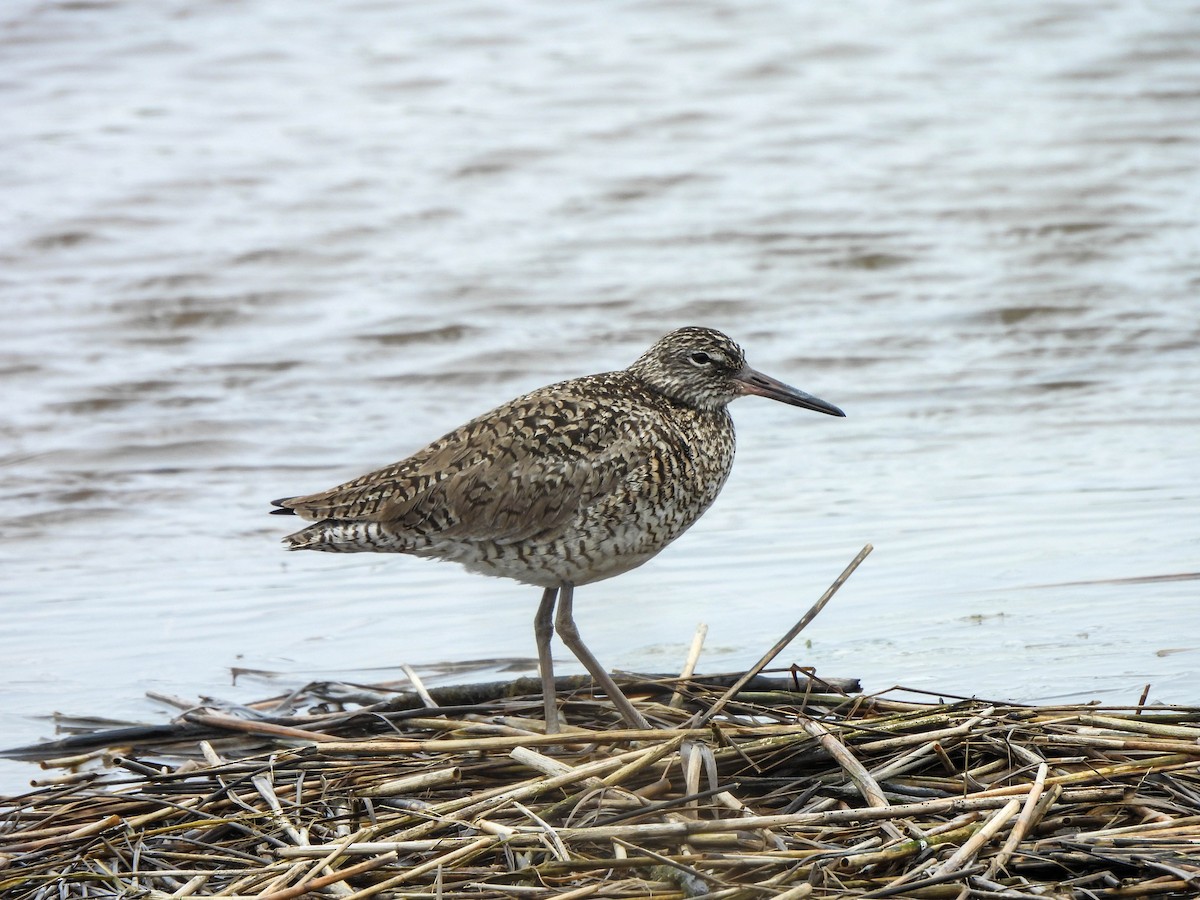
(799, 788)
(780, 786)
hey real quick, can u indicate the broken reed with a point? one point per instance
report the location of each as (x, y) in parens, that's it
(790, 794)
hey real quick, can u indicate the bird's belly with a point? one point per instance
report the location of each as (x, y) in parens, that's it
(551, 570)
(602, 542)
(551, 564)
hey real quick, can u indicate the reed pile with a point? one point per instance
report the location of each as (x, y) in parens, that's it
(795, 789)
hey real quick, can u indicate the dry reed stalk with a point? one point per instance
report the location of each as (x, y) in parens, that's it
(1098, 804)
(1139, 725)
(968, 851)
(402, 746)
(867, 786)
(419, 686)
(689, 664)
(467, 727)
(439, 862)
(769, 656)
(307, 887)
(413, 784)
(265, 729)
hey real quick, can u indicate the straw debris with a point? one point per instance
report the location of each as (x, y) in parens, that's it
(795, 790)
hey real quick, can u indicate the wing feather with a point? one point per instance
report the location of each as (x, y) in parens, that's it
(525, 468)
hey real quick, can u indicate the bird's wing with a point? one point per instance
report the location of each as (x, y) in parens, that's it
(516, 501)
(523, 469)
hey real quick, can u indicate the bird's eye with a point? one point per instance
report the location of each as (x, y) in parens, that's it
(700, 358)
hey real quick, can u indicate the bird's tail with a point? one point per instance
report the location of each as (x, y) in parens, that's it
(345, 536)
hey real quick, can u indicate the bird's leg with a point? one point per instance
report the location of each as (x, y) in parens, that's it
(543, 629)
(567, 630)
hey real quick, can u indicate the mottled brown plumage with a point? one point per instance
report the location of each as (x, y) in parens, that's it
(567, 485)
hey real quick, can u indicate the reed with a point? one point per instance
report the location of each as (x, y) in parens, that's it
(795, 792)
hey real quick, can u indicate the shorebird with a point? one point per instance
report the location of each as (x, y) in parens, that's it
(570, 484)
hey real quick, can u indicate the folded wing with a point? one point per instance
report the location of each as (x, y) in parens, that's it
(522, 470)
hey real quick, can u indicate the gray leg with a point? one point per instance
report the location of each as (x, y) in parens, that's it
(543, 629)
(565, 623)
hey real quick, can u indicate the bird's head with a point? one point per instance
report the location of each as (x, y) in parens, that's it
(704, 369)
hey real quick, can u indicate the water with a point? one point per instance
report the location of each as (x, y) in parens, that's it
(250, 250)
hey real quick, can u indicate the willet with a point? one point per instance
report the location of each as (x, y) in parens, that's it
(567, 485)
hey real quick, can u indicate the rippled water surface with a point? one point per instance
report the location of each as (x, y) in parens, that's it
(253, 249)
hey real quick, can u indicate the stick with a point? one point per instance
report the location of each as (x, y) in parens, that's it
(1019, 829)
(701, 718)
(419, 686)
(689, 665)
(867, 785)
(967, 851)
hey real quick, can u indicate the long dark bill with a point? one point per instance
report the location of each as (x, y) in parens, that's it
(755, 382)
